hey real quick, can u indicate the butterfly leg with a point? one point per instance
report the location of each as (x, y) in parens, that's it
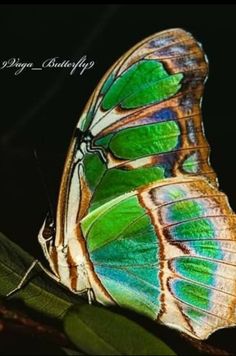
(91, 296)
(27, 273)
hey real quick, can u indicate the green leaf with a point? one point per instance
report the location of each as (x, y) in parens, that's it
(71, 352)
(98, 331)
(40, 292)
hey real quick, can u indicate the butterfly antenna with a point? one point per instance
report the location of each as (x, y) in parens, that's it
(50, 214)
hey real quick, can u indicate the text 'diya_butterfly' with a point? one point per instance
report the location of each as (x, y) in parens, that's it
(140, 220)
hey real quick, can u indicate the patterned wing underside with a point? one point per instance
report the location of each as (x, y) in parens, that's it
(172, 256)
(162, 136)
(143, 122)
(138, 199)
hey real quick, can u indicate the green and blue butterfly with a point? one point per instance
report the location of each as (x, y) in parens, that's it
(140, 220)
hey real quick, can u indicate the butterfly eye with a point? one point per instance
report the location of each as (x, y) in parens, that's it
(48, 232)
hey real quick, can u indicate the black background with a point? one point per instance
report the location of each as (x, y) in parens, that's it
(39, 110)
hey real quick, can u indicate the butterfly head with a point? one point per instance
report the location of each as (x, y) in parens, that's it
(66, 255)
(46, 238)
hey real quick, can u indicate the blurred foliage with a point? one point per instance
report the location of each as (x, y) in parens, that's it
(95, 330)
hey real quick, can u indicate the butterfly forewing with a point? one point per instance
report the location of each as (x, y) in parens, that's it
(142, 123)
(140, 219)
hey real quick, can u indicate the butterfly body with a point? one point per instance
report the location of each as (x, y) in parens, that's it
(140, 219)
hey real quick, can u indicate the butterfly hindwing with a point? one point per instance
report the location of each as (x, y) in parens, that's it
(168, 251)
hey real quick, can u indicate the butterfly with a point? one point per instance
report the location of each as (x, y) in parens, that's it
(140, 219)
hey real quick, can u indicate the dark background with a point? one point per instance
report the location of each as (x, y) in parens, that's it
(39, 110)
